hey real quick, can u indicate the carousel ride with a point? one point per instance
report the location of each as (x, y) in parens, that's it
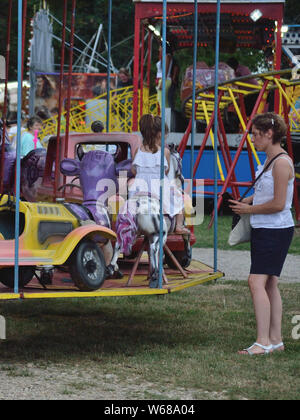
(69, 244)
(49, 176)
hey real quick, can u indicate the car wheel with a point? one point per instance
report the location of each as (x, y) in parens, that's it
(25, 276)
(87, 266)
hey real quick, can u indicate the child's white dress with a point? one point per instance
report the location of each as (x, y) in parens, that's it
(147, 182)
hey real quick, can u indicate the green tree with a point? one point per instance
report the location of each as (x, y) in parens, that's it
(89, 14)
(88, 17)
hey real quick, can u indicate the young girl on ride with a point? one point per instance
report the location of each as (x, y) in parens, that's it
(28, 139)
(147, 169)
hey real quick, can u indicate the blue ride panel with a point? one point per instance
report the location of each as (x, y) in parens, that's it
(206, 167)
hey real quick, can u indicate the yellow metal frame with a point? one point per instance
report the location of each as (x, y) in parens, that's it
(121, 105)
(121, 109)
(205, 100)
(233, 88)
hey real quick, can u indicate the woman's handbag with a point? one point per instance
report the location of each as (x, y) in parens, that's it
(241, 232)
(241, 227)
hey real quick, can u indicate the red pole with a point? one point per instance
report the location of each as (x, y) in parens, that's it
(61, 74)
(278, 62)
(201, 150)
(70, 77)
(182, 145)
(149, 58)
(24, 34)
(5, 92)
(223, 132)
(142, 69)
(241, 145)
(235, 190)
(208, 129)
(136, 74)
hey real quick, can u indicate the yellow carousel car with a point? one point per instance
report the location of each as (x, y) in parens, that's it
(51, 236)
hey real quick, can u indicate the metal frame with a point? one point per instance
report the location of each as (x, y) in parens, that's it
(234, 92)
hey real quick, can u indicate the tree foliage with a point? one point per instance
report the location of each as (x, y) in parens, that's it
(89, 15)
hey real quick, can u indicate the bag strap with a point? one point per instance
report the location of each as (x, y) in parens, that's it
(265, 170)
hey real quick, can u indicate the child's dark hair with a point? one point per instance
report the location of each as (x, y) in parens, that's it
(271, 121)
(150, 127)
(32, 121)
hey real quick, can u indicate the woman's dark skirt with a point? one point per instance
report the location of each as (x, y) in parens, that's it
(269, 248)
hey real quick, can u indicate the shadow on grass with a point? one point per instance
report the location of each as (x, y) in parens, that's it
(188, 339)
(65, 330)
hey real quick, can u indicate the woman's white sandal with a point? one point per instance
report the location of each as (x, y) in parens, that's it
(278, 347)
(267, 349)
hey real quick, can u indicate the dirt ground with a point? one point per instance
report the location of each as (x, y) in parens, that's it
(29, 382)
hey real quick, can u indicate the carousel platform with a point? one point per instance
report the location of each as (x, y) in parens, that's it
(63, 287)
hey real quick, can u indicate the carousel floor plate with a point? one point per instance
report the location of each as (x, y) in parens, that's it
(63, 287)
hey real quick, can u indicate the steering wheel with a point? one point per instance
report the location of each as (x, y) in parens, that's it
(70, 184)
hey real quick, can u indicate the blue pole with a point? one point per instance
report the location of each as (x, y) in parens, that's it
(194, 92)
(108, 66)
(217, 61)
(18, 159)
(163, 132)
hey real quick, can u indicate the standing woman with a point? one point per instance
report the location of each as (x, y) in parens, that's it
(272, 230)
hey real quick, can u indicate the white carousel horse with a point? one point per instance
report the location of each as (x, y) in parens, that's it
(141, 216)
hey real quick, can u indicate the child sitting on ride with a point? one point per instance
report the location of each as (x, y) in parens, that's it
(147, 169)
(29, 140)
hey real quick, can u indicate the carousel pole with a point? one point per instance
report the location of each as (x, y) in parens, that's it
(142, 70)
(193, 119)
(61, 74)
(217, 61)
(163, 133)
(23, 34)
(150, 37)
(5, 94)
(135, 102)
(70, 77)
(18, 159)
(108, 67)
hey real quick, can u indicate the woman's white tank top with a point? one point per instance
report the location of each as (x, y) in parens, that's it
(264, 192)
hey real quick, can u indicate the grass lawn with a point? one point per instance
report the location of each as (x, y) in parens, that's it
(183, 341)
(205, 236)
(188, 340)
